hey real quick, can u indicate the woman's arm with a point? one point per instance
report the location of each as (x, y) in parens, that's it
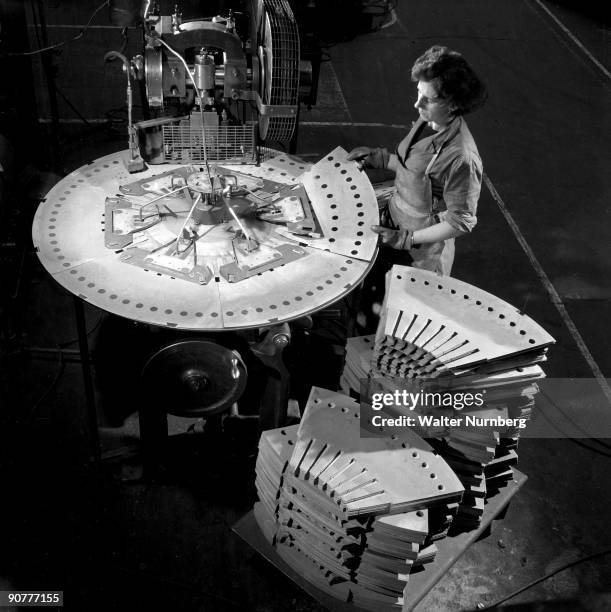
(373, 157)
(436, 233)
(405, 239)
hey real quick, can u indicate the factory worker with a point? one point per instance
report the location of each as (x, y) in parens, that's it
(438, 170)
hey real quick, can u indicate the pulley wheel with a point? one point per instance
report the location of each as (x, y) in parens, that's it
(194, 378)
(153, 76)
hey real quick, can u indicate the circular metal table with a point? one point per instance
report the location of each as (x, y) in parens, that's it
(69, 236)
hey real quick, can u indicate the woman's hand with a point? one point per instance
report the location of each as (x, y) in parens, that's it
(369, 157)
(394, 238)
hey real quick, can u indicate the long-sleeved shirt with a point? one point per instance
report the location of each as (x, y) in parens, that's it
(450, 160)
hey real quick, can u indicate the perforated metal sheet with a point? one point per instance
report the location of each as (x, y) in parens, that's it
(436, 325)
(282, 168)
(359, 352)
(287, 166)
(289, 291)
(68, 233)
(69, 223)
(367, 476)
(345, 206)
(57, 247)
(144, 296)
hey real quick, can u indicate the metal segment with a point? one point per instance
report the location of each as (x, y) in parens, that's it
(442, 325)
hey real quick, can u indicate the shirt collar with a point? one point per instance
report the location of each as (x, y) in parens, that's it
(440, 138)
(437, 140)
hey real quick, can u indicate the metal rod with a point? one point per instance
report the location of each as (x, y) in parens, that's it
(199, 92)
(47, 63)
(92, 416)
(182, 229)
(246, 235)
(165, 195)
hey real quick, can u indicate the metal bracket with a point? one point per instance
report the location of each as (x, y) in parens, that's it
(277, 256)
(269, 110)
(276, 110)
(149, 123)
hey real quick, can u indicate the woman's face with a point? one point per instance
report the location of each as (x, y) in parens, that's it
(432, 108)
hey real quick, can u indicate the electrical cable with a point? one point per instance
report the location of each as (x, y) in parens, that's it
(590, 448)
(594, 450)
(573, 440)
(59, 346)
(81, 33)
(72, 107)
(61, 364)
(583, 431)
(513, 594)
(201, 100)
(125, 38)
(566, 436)
(88, 333)
(37, 19)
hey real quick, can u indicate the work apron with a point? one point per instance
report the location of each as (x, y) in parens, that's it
(413, 207)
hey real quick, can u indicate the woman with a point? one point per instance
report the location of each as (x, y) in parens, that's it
(438, 168)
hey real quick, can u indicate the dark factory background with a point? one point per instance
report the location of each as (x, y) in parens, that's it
(111, 542)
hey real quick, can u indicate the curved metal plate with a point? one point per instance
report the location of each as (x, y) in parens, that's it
(402, 481)
(290, 291)
(436, 324)
(345, 205)
(148, 297)
(282, 168)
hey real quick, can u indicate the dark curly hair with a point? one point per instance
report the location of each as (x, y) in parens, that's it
(453, 78)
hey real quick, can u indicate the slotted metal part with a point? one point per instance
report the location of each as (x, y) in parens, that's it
(435, 325)
(338, 555)
(391, 475)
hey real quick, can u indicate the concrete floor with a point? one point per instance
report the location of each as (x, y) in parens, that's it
(543, 137)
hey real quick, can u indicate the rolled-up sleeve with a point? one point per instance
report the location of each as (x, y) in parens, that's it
(461, 193)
